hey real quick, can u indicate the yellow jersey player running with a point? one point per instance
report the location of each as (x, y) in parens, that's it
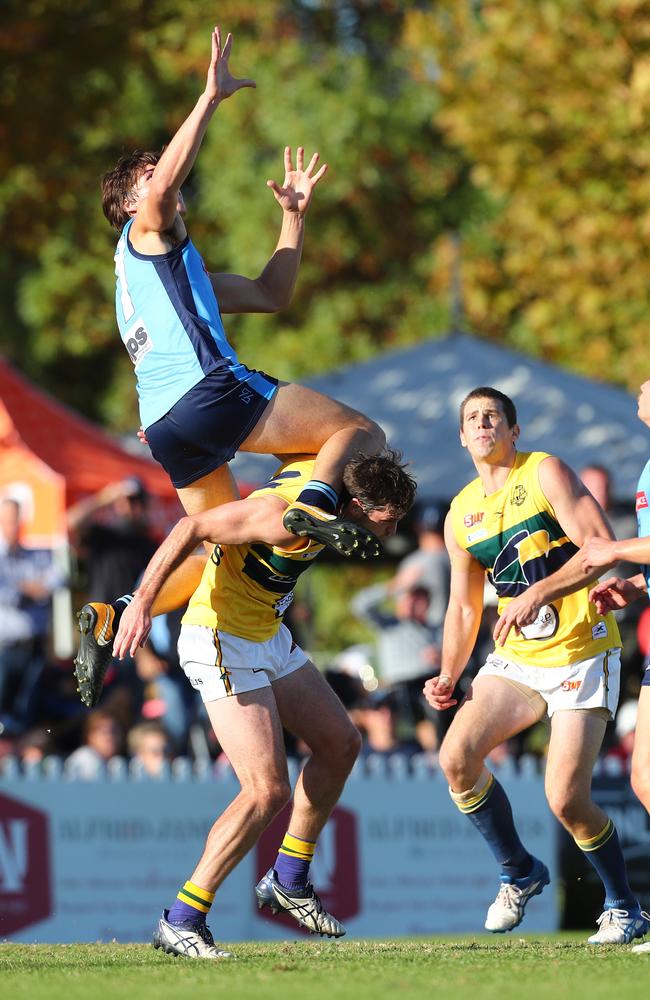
(254, 680)
(522, 521)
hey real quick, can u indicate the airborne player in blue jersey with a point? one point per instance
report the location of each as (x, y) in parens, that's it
(198, 404)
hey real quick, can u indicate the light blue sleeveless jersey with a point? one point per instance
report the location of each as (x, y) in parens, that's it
(170, 324)
(643, 513)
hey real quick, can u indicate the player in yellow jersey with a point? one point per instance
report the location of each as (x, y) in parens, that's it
(254, 680)
(522, 522)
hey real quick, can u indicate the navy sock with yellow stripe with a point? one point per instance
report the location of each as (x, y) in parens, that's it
(293, 861)
(191, 905)
(488, 807)
(319, 494)
(605, 854)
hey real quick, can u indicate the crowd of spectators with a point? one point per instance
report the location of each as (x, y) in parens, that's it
(149, 714)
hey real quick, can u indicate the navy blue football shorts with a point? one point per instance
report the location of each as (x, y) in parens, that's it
(204, 429)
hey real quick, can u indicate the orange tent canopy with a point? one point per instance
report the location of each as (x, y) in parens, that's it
(51, 457)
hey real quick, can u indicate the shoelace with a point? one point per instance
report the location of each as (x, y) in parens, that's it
(608, 917)
(201, 929)
(317, 903)
(509, 895)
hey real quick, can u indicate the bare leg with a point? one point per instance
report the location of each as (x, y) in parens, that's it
(299, 420)
(210, 491)
(641, 755)
(179, 586)
(311, 711)
(492, 712)
(248, 728)
(576, 738)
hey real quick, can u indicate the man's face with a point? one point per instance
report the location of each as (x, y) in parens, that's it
(643, 403)
(140, 192)
(485, 431)
(382, 522)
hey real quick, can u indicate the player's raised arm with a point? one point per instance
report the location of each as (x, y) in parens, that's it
(157, 213)
(273, 289)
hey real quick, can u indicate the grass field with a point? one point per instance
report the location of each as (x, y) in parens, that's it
(482, 968)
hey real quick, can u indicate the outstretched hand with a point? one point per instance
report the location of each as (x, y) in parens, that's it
(220, 83)
(134, 628)
(296, 191)
(613, 594)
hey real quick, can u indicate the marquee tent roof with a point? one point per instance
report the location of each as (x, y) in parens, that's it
(51, 456)
(414, 394)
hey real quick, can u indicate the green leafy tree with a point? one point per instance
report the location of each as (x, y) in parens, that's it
(551, 102)
(333, 76)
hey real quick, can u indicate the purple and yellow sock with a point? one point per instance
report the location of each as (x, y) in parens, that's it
(318, 494)
(605, 854)
(293, 861)
(191, 905)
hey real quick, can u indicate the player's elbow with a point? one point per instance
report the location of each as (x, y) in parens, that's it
(272, 297)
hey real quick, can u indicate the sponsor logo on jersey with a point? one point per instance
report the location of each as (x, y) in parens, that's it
(571, 685)
(471, 519)
(544, 626)
(518, 495)
(641, 500)
(137, 342)
(599, 631)
(476, 536)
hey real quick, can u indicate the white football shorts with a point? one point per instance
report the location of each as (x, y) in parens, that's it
(591, 683)
(220, 665)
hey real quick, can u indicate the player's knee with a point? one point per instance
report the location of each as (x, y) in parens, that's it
(350, 745)
(566, 804)
(271, 797)
(341, 748)
(454, 766)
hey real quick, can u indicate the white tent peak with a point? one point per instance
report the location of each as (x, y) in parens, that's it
(415, 393)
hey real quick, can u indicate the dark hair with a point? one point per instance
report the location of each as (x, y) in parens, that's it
(118, 184)
(487, 392)
(379, 481)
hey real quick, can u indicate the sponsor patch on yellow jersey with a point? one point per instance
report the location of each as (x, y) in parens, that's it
(516, 536)
(246, 589)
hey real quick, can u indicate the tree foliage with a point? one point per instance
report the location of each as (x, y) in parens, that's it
(550, 101)
(333, 76)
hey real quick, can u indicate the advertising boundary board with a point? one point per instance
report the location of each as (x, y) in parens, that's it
(396, 858)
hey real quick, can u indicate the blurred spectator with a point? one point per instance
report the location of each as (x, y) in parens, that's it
(166, 695)
(27, 580)
(102, 740)
(407, 650)
(597, 479)
(428, 565)
(33, 746)
(378, 718)
(112, 534)
(148, 746)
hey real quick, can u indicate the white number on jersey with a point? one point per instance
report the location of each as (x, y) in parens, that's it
(127, 303)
